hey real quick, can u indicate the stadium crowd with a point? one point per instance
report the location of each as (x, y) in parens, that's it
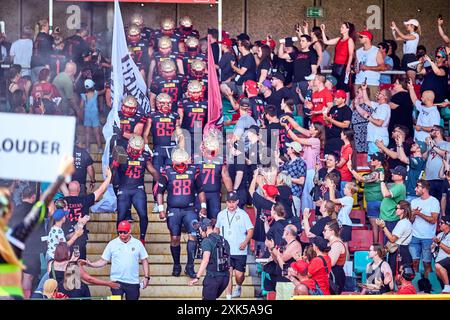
(320, 130)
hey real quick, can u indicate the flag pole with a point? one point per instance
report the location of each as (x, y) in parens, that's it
(50, 16)
(219, 23)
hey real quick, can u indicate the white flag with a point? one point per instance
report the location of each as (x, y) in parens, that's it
(126, 80)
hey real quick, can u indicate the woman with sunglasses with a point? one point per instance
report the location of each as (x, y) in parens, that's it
(435, 74)
(401, 235)
(410, 43)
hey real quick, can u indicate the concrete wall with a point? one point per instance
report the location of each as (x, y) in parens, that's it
(262, 16)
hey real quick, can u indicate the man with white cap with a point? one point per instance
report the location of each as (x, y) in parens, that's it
(235, 226)
(296, 169)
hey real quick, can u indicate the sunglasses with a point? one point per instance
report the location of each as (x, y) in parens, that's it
(439, 57)
(123, 232)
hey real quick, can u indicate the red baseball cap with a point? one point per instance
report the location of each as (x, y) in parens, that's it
(367, 34)
(340, 94)
(124, 226)
(252, 86)
(227, 42)
(272, 44)
(271, 190)
(300, 266)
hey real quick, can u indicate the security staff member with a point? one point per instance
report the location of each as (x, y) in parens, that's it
(215, 282)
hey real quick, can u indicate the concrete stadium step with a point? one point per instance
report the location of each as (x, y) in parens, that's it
(154, 291)
(111, 228)
(181, 281)
(156, 270)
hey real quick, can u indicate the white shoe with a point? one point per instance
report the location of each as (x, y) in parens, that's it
(228, 296)
(236, 292)
(413, 65)
(155, 208)
(446, 289)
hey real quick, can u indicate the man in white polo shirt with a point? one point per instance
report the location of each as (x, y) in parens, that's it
(235, 226)
(124, 253)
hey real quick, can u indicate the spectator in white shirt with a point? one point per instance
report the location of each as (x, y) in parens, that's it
(377, 128)
(442, 253)
(22, 50)
(426, 211)
(124, 253)
(428, 113)
(235, 226)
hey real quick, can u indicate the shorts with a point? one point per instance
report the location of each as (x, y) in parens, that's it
(238, 262)
(91, 119)
(213, 203)
(178, 217)
(346, 233)
(373, 209)
(407, 58)
(445, 263)
(32, 263)
(421, 249)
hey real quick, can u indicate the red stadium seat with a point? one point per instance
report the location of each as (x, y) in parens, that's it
(361, 240)
(361, 160)
(272, 295)
(303, 237)
(360, 215)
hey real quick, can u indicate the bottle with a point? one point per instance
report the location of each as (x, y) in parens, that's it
(347, 77)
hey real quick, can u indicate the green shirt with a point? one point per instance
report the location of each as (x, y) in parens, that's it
(209, 244)
(389, 205)
(372, 186)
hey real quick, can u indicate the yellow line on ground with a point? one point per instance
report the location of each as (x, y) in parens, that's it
(378, 297)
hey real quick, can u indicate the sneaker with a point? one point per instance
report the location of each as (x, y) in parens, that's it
(228, 296)
(189, 270)
(155, 208)
(446, 289)
(176, 271)
(236, 292)
(413, 65)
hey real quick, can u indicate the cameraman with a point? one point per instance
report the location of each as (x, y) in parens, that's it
(215, 281)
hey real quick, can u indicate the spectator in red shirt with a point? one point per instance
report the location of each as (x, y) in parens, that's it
(44, 89)
(322, 100)
(404, 280)
(348, 152)
(298, 274)
(319, 268)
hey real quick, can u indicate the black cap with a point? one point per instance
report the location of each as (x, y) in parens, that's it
(446, 220)
(86, 54)
(408, 273)
(377, 156)
(320, 243)
(243, 36)
(232, 196)
(244, 102)
(278, 75)
(288, 42)
(255, 128)
(205, 224)
(400, 170)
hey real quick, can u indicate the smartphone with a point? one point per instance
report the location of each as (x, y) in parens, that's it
(2, 27)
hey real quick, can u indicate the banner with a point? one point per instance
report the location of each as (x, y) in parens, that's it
(126, 80)
(215, 117)
(33, 146)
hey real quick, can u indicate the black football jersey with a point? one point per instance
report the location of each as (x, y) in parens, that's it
(131, 174)
(211, 175)
(173, 87)
(163, 126)
(194, 115)
(181, 187)
(139, 53)
(187, 59)
(127, 124)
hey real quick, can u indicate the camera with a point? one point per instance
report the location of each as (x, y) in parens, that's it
(196, 226)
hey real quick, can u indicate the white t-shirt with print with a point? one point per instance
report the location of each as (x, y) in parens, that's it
(55, 236)
(380, 112)
(446, 242)
(428, 117)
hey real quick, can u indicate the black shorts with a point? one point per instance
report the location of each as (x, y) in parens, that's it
(32, 263)
(346, 233)
(445, 263)
(407, 58)
(238, 262)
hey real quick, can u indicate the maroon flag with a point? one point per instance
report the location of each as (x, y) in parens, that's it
(214, 96)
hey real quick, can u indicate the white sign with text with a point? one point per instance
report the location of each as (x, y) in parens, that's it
(32, 146)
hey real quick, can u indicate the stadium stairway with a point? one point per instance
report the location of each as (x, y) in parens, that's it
(163, 286)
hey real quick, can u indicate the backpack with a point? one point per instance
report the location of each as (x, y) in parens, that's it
(223, 255)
